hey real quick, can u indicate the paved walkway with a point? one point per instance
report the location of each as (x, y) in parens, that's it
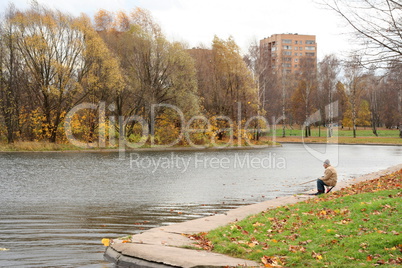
(163, 246)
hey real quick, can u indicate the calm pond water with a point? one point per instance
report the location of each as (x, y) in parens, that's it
(56, 207)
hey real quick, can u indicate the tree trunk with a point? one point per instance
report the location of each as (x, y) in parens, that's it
(9, 125)
(400, 112)
(354, 115)
(400, 130)
(7, 88)
(374, 128)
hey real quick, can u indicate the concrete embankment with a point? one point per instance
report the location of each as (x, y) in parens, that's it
(165, 246)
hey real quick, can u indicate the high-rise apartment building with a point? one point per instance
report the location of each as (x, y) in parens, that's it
(288, 53)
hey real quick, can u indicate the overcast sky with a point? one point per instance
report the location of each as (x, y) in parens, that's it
(197, 21)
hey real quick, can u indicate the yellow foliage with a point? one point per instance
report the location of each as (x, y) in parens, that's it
(166, 129)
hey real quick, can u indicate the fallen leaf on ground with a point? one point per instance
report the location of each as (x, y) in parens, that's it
(271, 261)
(316, 256)
(106, 242)
(297, 248)
(202, 241)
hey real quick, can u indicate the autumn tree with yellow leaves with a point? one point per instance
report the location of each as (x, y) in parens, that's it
(155, 70)
(226, 85)
(61, 57)
(12, 77)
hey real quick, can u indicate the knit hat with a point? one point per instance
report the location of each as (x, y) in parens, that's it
(326, 162)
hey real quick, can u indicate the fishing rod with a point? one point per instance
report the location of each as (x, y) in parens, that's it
(304, 182)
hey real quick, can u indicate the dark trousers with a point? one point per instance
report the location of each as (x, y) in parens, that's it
(321, 186)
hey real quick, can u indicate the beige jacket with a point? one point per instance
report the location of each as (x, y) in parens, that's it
(330, 176)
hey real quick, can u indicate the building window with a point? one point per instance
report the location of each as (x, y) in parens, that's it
(300, 48)
(286, 65)
(311, 54)
(310, 48)
(287, 53)
(310, 42)
(296, 48)
(287, 47)
(296, 54)
(296, 65)
(296, 60)
(273, 49)
(300, 54)
(300, 42)
(287, 59)
(286, 41)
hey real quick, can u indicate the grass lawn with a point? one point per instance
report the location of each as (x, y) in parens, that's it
(341, 136)
(356, 226)
(342, 140)
(346, 132)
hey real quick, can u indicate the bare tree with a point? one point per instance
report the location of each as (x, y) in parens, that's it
(355, 84)
(328, 72)
(378, 27)
(307, 86)
(271, 85)
(373, 86)
(9, 67)
(252, 59)
(393, 96)
(257, 67)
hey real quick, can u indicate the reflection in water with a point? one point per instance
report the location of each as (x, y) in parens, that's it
(70, 236)
(56, 207)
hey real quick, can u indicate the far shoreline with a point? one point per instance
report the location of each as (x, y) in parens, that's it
(145, 149)
(189, 148)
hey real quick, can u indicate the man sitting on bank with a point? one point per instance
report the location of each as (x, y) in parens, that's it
(329, 179)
